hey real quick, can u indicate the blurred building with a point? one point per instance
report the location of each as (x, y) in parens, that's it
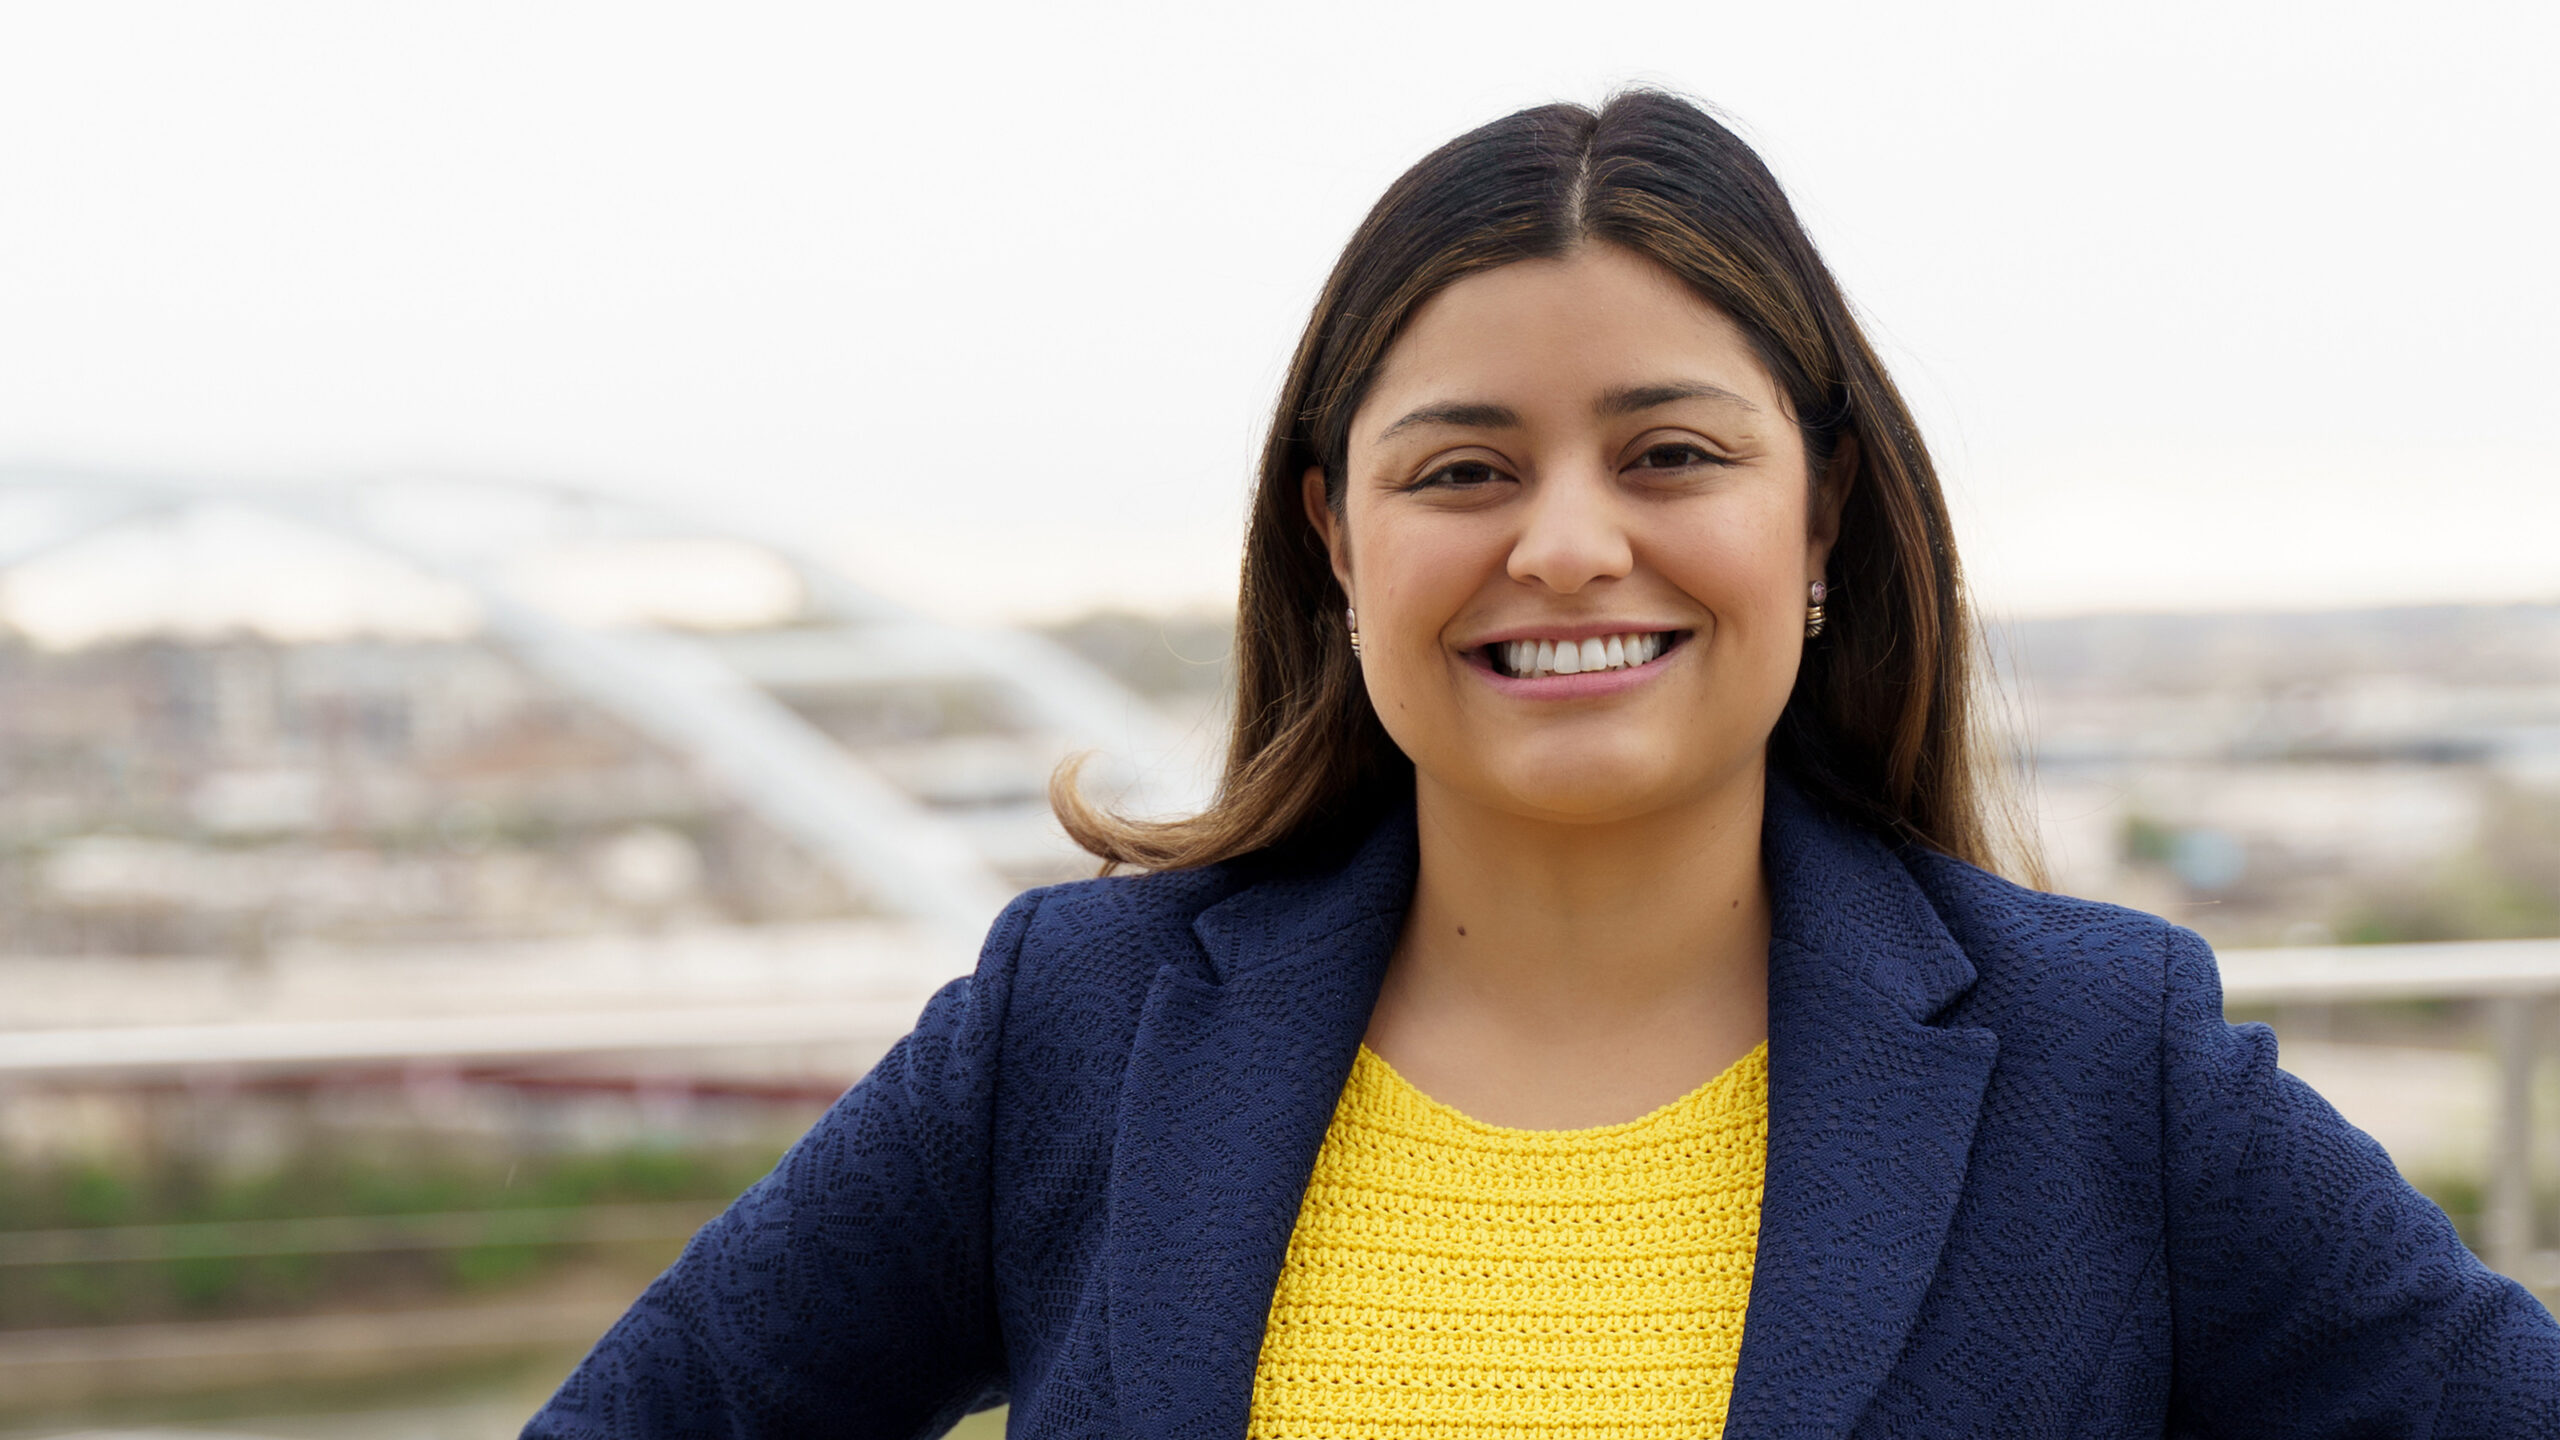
(225, 796)
(2369, 775)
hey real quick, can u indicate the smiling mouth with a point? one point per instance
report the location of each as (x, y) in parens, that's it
(1538, 659)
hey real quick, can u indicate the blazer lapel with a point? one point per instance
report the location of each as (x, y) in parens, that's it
(1232, 1082)
(1871, 1114)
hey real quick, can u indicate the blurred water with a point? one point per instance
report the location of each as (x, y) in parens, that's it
(493, 1413)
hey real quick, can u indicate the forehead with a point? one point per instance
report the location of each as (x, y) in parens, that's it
(1552, 334)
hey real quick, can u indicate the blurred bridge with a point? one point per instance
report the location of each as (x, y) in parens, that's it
(920, 839)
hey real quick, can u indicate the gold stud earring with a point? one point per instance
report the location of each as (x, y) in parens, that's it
(1813, 608)
(1351, 618)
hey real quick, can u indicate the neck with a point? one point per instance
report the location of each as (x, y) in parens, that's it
(1590, 925)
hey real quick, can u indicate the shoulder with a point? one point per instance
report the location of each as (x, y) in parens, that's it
(1124, 929)
(1114, 925)
(1073, 963)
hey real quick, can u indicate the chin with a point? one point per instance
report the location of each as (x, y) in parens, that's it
(1585, 793)
(1595, 778)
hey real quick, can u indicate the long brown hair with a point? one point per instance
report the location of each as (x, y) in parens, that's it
(1880, 727)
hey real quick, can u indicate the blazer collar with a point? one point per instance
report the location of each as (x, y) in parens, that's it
(1872, 1106)
(1839, 892)
(1233, 1077)
(1231, 1084)
(1284, 916)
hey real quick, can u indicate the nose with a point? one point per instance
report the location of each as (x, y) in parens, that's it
(1572, 533)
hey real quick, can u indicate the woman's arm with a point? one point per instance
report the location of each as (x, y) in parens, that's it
(849, 1292)
(2313, 1292)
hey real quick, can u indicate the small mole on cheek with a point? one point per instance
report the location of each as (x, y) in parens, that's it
(1462, 929)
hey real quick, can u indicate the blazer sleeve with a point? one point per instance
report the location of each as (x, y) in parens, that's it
(2312, 1291)
(848, 1293)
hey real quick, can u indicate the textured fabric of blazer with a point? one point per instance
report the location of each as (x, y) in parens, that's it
(2023, 1181)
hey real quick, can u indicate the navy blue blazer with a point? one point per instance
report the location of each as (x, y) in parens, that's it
(2023, 1181)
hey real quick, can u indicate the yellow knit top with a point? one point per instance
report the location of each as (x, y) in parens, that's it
(1453, 1279)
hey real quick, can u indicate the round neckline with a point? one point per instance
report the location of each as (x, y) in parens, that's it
(1442, 1110)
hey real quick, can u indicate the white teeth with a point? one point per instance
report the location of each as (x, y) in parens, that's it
(1535, 658)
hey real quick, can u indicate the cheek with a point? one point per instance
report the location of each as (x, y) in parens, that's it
(1413, 579)
(1744, 567)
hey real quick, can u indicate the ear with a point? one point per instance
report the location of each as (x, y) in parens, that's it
(1830, 497)
(1337, 541)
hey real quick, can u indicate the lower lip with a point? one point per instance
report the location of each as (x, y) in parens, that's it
(1588, 685)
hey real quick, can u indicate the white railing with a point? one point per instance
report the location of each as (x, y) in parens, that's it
(273, 1047)
(2517, 980)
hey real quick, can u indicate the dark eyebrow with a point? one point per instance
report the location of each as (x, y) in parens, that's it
(1461, 413)
(1473, 415)
(1645, 397)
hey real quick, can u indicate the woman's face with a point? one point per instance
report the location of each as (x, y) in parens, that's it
(1578, 530)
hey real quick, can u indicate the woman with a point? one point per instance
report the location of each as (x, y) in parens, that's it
(1586, 1004)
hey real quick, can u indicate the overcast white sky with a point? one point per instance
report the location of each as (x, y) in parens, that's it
(2201, 305)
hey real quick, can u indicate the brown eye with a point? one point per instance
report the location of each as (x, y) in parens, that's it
(1466, 474)
(1673, 457)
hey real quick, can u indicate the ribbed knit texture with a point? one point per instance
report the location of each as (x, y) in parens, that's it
(1449, 1278)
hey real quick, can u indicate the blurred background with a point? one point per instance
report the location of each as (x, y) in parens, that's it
(546, 555)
